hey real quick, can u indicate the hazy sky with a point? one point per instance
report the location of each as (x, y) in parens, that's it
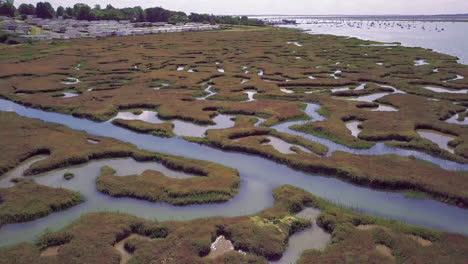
(313, 7)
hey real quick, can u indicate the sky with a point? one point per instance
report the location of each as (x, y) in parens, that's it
(287, 7)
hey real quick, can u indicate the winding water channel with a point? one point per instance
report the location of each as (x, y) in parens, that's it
(259, 177)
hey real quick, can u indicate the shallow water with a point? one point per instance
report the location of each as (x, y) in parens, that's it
(283, 146)
(369, 98)
(420, 63)
(458, 77)
(18, 172)
(250, 95)
(69, 95)
(313, 237)
(454, 120)
(361, 87)
(452, 40)
(353, 126)
(259, 177)
(443, 90)
(284, 90)
(210, 93)
(440, 139)
(378, 149)
(340, 89)
(385, 108)
(335, 75)
(71, 81)
(181, 128)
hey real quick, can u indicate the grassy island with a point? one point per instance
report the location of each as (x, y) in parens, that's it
(27, 201)
(65, 147)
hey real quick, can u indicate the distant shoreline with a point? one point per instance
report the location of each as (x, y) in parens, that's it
(427, 18)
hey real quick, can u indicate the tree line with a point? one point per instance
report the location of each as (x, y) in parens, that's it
(134, 14)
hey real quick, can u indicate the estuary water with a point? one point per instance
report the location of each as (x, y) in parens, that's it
(259, 177)
(444, 37)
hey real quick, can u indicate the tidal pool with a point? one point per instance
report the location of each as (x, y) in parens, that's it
(336, 74)
(378, 149)
(69, 95)
(353, 126)
(444, 90)
(420, 63)
(361, 87)
(250, 95)
(438, 138)
(454, 120)
(283, 146)
(385, 108)
(71, 81)
(259, 177)
(313, 237)
(340, 89)
(181, 128)
(284, 90)
(458, 77)
(210, 93)
(295, 43)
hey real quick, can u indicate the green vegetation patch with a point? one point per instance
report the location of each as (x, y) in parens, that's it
(160, 130)
(263, 236)
(27, 201)
(216, 184)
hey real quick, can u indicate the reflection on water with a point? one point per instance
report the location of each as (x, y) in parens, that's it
(378, 149)
(18, 172)
(420, 63)
(340, 89)
(69, 95)
(369, 98)
(210, 93)
(385, 108)
(147, 116)
(353, 126)
(71, 81)
(284, 90)
(444, 37)
(181, 128)
(295, 43)
(250, 95)
(438, 138)
(458, 77)
(443, 90)
(313, 237)
(283, 146)
(259, 177)
(454, 120)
